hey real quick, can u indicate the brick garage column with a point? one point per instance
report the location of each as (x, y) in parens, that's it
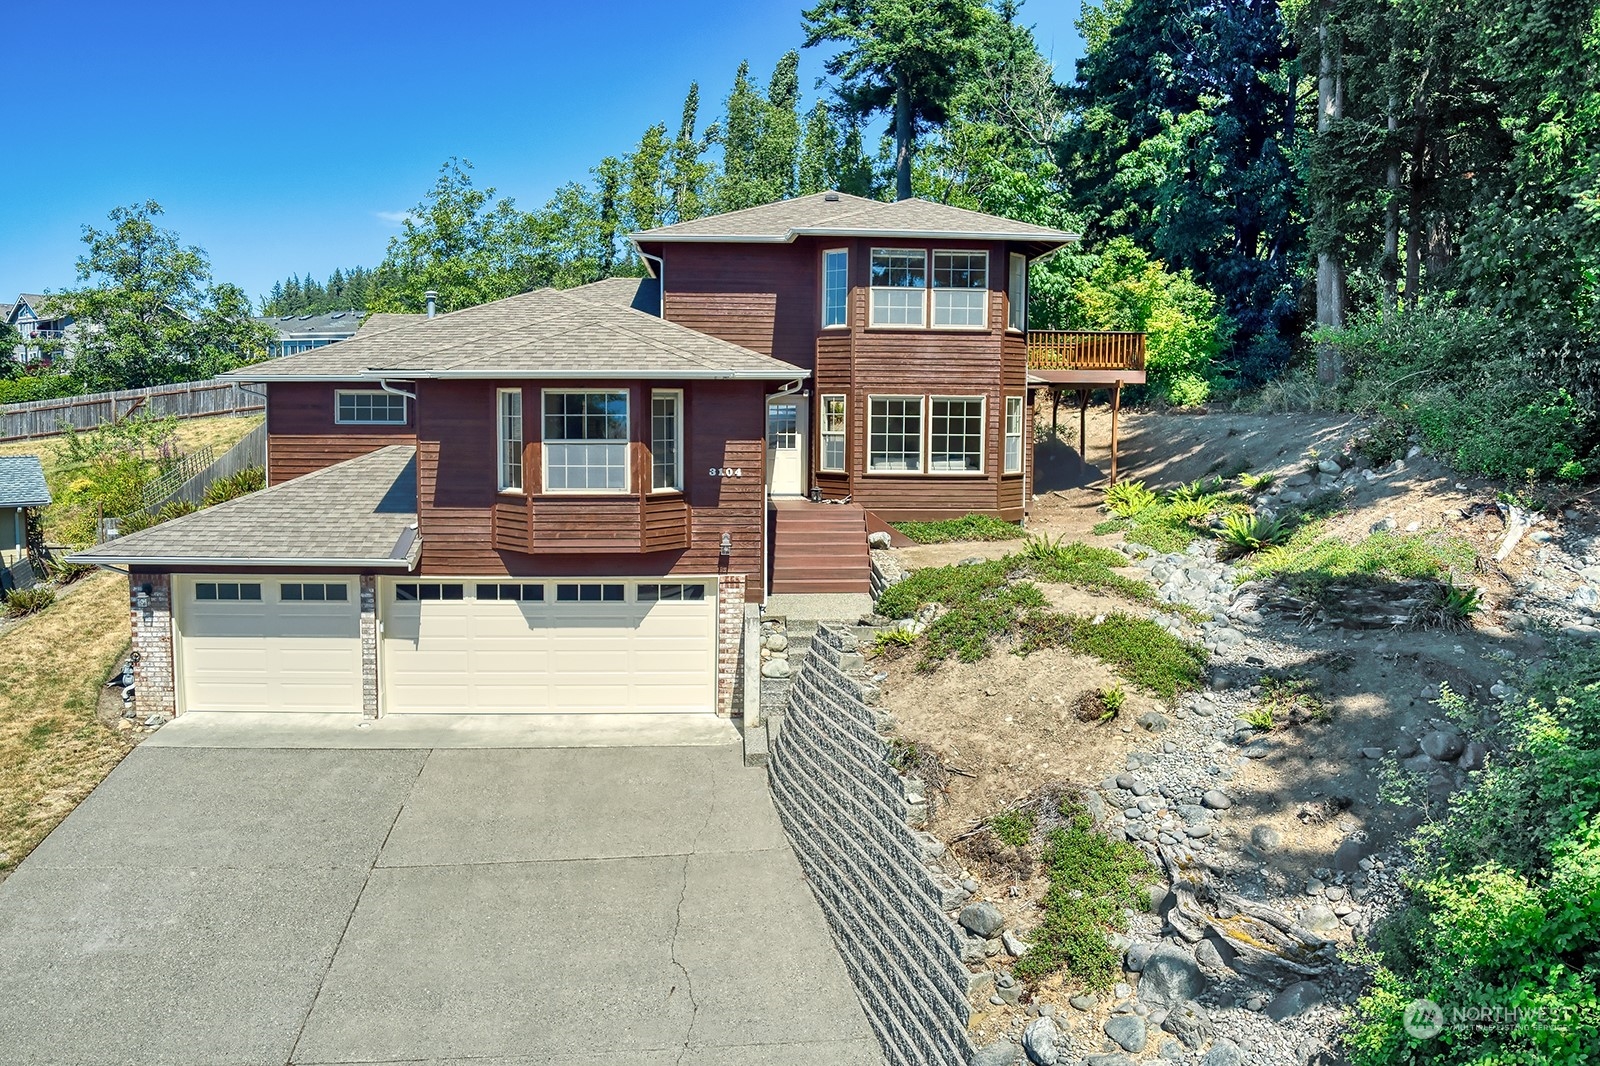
(369, 646)
(730, 638)
(150, 607)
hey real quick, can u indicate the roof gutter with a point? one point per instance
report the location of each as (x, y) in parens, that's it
(786, 374)
(180, 560)
(845, 231)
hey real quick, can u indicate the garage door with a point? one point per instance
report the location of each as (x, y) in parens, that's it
(534, 647)
(269, 644)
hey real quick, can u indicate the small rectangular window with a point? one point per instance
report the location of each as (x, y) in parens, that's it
(527, 593)
(955, 435)
(670, 593)
(406, 594)
(961, 289)
(205, 590)
(313, 592)
(590, 592)
(509, 439)
(899, 286)
(1017, 294)
(835, 287)
(894, 434)
(250, 591)
(341, 592)
(289, 593)
(666, 441)
(1013, 458)
(227, 591)
(833, 432)
(368, 407)
(585, 441)
(454, 592)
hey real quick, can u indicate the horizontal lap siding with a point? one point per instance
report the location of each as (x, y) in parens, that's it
(302, 436)
(762, 298)
(469, 529)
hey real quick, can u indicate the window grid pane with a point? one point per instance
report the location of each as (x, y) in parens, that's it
(960, 307)
(833, 432)
(835, 288)
(586, 441)
(664, 442)
(955, 442)
(1013, 457)
(899, 276)
(372, 408)
(510, 439)
(895, 434)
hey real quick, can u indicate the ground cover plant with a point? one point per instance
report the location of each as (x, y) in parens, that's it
(1169, 521)
(967, 527)
(1139, 649)
(1310, 561)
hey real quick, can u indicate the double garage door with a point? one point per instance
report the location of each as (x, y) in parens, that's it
(504, 647)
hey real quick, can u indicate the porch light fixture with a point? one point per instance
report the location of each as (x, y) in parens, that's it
(727, 544)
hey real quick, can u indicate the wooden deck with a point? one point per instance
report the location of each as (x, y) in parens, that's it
(1086, 359)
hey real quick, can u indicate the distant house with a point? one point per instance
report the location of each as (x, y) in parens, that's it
(302, 333)
(22, 489)
(39, 324)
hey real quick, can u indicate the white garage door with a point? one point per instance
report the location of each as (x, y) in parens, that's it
(269, 643)
(549, 646)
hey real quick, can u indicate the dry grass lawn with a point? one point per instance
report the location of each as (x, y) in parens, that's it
(220, 432)
(53, 748)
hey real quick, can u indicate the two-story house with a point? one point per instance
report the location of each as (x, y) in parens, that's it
(562, 501)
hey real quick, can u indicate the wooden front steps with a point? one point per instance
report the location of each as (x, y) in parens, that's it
(819, 547)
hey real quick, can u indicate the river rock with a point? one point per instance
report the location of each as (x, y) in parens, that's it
(1443, 745)
(1294, 1000)
(1171, 976)
(982, 919)
(1190, 1024)
(1128, 1030)
(1039, 1041)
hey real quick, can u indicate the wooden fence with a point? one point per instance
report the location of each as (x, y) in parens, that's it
(250, 451)
(193, 399)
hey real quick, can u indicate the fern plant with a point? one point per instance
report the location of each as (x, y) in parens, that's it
(1255, 484)
(1242, 534)
(1127, 498)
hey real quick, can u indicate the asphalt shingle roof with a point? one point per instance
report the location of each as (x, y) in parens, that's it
(595, 331)
(853, 216)
(381, 320)
(362, 512)
(22, 482)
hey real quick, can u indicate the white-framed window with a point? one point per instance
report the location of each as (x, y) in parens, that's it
(899, 286)
(364, 407)
(666, 440)
(1013, 441)
(227, 590)
(835, 288)
(508, 439)
(955, 435)
(834, 415)
(674, 592)
(1017, 294)
(313, 591)
(961, 289)
(585, 441)
(590, 592)
(894, 434)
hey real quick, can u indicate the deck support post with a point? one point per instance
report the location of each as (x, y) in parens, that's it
(1083, 425)
(1116, 406)
(1055, 411)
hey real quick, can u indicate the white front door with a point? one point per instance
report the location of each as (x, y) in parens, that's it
(786, 445)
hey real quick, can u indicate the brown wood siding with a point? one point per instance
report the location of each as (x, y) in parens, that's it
(302, 436)
(470, 529)
(764, 298)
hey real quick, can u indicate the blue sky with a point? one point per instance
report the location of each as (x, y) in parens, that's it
(287, 138)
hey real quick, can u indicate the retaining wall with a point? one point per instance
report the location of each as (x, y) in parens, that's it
(848, 814)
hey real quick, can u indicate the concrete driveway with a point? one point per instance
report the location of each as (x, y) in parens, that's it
(484, 906)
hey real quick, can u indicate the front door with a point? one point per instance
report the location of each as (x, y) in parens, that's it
(786, 445)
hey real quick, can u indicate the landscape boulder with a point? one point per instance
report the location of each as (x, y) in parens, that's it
(1225, 1053)
(1039, 1041)
(982, 919)
(1443, 745)
(1294, 1000)
(1189, 1024)
(1170, 977)
(1128, 1030)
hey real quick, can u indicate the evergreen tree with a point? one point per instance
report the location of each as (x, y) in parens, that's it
(689, 172)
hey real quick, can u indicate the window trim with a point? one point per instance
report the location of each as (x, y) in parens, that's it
(677, 446)
(922, 417)
(1012, 302)
(983, 437)
(501, 463)
(626, 442)
(823, 289)
(1021, 435)
(873, 290)
(933, 273)
(823, 433)
(338, 394)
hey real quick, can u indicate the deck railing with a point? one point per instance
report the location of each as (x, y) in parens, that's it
(1084, 350)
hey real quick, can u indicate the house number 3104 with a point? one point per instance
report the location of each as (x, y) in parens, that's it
(727, 471)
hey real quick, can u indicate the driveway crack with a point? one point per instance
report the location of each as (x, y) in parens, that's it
(677, 924)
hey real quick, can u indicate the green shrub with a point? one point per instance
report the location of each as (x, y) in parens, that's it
(1310, 563)
(1128, 498)
(1093, 879)
(1075, 563)
(39, 387)
(1013, 827)
(20, 602)
(893, 639)
(982, 605)
(1114, 698)
(1259, 718)
(1255, 484)
(251, 479)
(1242, 534)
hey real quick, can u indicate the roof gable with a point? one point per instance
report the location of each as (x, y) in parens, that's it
(22, 482)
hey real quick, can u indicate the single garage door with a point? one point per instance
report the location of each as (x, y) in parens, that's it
(269, 643)
(529, 647)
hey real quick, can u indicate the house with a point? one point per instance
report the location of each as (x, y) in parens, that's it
(43, 328)
(294, 334)
(22, 489)
(564, 500)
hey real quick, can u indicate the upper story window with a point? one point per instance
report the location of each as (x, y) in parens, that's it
(364, 407)
(899, 286)
(666, 440)
(961, 289)
(1017, 294)
(508, 449)
(585, 441)
(835, 287)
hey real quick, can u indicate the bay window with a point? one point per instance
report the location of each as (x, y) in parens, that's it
(1017, 294)
(835, 287)
(894, 434)
(961, 289)
(899, 283)
(508, 439)
(666, 440)
(1013, 456)
(833, 433)
(955, 435)
(585, 441)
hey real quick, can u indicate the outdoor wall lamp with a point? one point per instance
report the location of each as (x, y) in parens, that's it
(141, 599)
(727, 544)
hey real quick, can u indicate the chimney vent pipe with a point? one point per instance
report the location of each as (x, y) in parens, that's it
(432, 298)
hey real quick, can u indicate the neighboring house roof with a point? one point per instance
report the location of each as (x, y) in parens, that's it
(834, 214)
(380, 320)
(22, 482)
(593, 332)
(332, 324)
(5, 312)
(362, 512)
